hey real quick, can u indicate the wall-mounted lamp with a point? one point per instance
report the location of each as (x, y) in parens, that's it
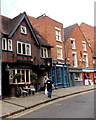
(7, 67)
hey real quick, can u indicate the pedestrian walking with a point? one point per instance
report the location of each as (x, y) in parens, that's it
(45, 80)
(49, 85)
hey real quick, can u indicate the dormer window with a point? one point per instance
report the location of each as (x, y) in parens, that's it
(23, 30)
(44, 52)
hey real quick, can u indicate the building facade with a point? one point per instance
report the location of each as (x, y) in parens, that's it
(52, 31)
(90, 35)
(24, 51)
(79, 55)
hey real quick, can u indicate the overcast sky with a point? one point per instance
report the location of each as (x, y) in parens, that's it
(67, 12)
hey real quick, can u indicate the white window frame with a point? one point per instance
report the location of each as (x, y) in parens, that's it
(58, 46)
(58, 35)
(25, 48)
(86, 61)
(23, 30)
(4, 39)
(10, 45)
(43, 55)
(73, 45)
(84, 46)
(75, 60)
(11, 76)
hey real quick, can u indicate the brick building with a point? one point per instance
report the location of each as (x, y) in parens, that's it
(79, 55)
(90, 34)
(52, 31)
(24, 51)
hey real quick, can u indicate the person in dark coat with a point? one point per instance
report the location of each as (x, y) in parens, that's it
(49, 85)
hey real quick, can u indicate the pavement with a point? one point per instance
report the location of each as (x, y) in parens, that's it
(15, 105)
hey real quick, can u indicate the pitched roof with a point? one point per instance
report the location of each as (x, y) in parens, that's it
(88, 32)
(5, 24)
(67, 31)
(9, 26)
(42, 40)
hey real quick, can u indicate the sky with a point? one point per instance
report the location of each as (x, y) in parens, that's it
(67, 12)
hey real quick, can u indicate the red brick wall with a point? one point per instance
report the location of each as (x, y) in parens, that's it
(46, 27)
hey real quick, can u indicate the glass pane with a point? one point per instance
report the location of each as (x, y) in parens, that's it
(19, 47)
(27, 75)
(58, 73)
(23, 48)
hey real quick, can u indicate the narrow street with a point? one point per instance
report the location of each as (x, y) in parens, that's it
(77, 106)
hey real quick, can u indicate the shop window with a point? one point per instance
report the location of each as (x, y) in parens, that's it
(59, 75)
(24, 78)
(78, 77)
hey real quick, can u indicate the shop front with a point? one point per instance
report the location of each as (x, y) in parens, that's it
(75, 77)
(59, 74)
(88, 76)
(14, 76)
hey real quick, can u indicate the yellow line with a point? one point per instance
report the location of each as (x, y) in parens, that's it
(41, 106)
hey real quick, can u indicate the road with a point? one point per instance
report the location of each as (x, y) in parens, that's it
(76, 106)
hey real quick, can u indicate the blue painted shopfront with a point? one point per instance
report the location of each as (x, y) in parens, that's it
(59, 75)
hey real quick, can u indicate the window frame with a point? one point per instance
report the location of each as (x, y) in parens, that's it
(73, 45)
(75, 60)
(25, 53)
(42, 50)
(4, 39)
(86, 61)
(60, 58)
(84, 45)
(58, 35)
(11, 45)
(25, 30)
(24, 75)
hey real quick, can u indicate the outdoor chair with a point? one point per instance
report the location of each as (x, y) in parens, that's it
(23, 92)
(32, 90)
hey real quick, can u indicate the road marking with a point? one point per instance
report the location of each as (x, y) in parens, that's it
(51, 102)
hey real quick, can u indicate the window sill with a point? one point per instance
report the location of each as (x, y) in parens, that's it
(60, 58)
(73, 48)
(59, 41)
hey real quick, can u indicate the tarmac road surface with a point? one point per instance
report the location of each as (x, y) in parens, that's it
(75, 106)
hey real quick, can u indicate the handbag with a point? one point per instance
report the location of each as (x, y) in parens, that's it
(46, 91)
